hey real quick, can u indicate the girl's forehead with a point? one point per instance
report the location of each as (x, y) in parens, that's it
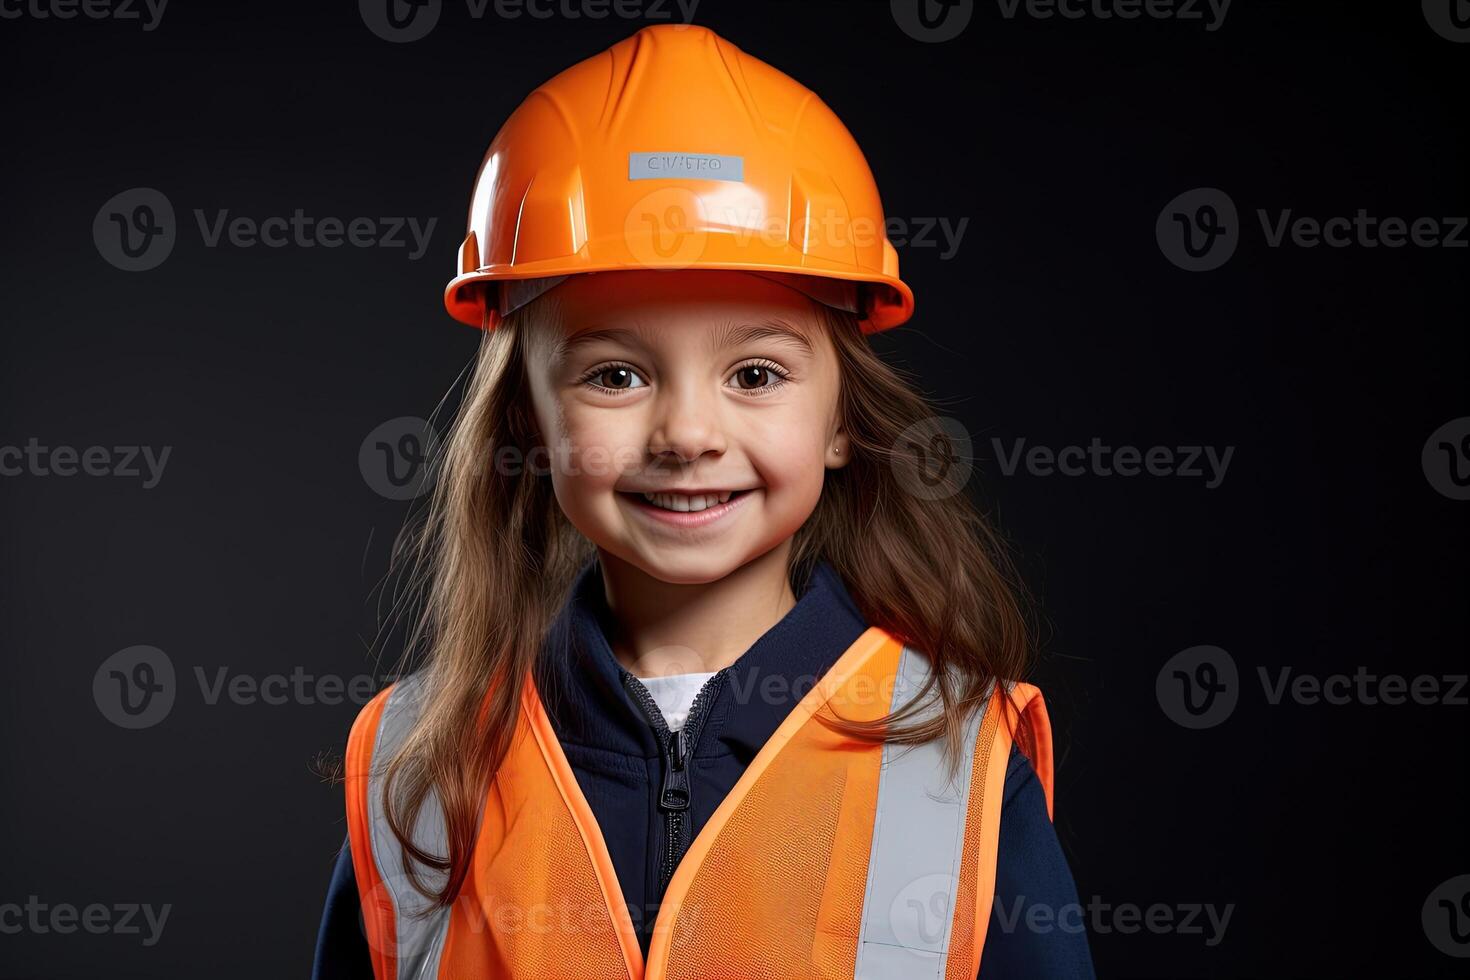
(649, 308)
(676, 292)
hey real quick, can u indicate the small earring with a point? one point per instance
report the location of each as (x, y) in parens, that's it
(837, 451)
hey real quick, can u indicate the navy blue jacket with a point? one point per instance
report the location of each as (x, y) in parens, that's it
(618, 763)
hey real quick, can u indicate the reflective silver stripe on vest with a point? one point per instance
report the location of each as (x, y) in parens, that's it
(420, 938)
(918, 840)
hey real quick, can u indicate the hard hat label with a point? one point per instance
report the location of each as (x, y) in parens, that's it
(697, 166)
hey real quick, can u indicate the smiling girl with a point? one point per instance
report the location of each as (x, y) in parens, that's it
(720, 665)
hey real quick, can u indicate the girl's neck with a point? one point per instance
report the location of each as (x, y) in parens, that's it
(657, 629)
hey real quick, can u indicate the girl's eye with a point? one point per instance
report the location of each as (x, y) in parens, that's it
(615, 379)
(759, 378)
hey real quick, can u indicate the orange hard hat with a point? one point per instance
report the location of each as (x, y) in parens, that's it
(674, 149)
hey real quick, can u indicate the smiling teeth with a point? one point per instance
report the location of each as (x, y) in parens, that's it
(687, 502)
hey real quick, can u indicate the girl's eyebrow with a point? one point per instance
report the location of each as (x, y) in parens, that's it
(736, 335)
(569, 345)
(731, 335)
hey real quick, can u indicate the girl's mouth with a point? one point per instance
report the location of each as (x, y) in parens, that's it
(684, 510)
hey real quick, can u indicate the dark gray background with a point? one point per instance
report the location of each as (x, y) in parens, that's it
(1059, 319)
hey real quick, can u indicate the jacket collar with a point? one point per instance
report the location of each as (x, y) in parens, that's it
(580, 680)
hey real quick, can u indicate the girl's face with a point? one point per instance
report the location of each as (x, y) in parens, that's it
(695, 386)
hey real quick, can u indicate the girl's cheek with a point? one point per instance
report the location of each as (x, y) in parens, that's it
(790, 457)
(599, 450)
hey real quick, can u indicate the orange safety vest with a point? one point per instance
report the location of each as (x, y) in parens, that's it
(829, 858)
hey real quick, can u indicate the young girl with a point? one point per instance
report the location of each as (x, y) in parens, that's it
(720, 672)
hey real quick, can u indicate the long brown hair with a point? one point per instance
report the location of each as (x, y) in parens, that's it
(495, 558)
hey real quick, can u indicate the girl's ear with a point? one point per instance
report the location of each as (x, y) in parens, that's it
(838, 451)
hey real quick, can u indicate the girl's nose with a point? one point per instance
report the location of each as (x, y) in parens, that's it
(686, 423)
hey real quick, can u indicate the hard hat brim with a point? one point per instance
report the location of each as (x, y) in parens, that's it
(891, 301)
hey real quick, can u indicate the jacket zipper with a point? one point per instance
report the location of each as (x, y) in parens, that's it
(675, 747)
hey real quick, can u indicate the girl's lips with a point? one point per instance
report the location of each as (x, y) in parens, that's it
(682, 518)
